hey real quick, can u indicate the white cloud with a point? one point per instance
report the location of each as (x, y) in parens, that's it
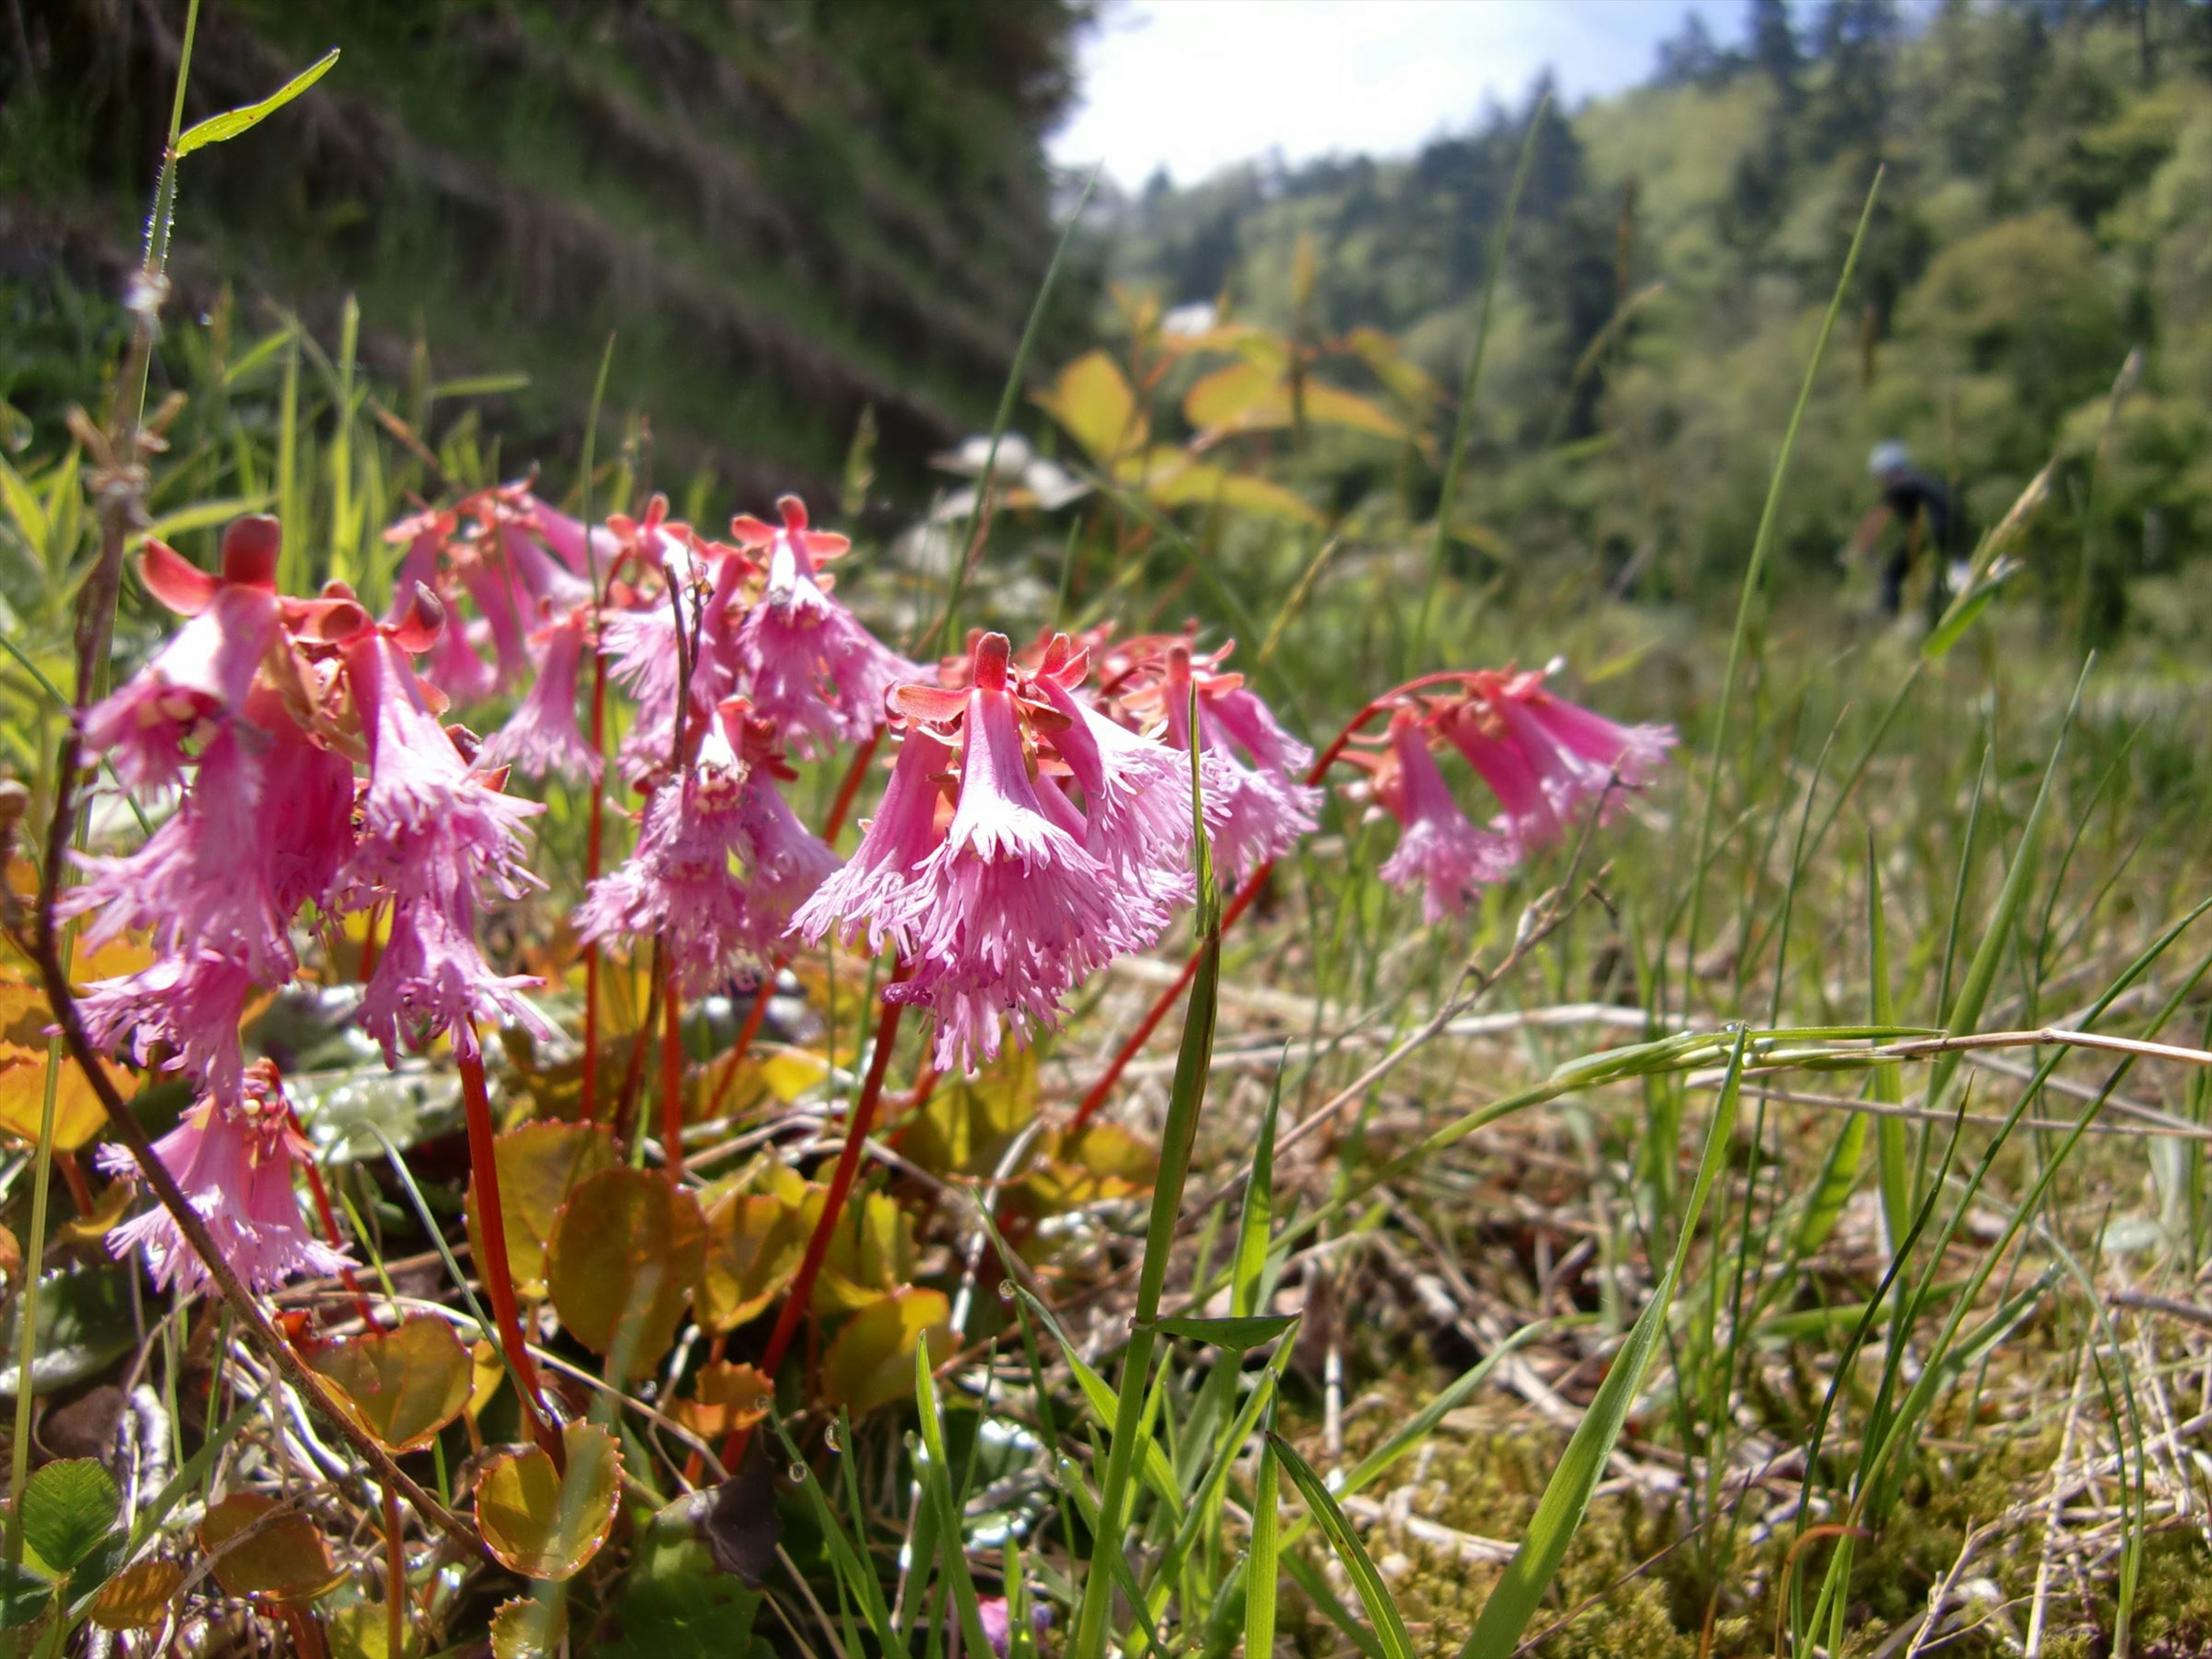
(1193, 85)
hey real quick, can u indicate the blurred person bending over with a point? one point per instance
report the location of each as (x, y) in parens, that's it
(1923, 510)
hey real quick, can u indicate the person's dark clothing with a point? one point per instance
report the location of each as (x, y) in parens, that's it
(1913, 497)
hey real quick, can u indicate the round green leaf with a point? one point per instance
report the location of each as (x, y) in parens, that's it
(755, 1241)
(403, 1385)
(69, 1506)
(257, 1552)
(540, 1525)
(625, 1252)
(871, 1362)
(540, 1165)
(527, 1628)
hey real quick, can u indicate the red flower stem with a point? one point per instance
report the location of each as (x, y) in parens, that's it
(73, 1175)
(1096, 1098)
(329, 1218)
(851, 786)
(491, 1229)
(857, 1124)
(671, 1079)
(588, 1111)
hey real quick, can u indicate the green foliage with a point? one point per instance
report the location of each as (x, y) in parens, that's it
(2047, 182)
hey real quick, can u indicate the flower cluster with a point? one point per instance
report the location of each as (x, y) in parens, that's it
(1025, 840)
(1548, 762)
(1036, 822)
(256, 715)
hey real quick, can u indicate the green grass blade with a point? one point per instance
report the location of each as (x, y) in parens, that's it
(1463, 420)
(1188, 1094)
(1761, 541)
(1505, 1615)
(1251, 1261)
(221, 128)
(937, 1483)
(1260, 1569)
(1383, 1616)
(1973, 990)
(1893, 1145)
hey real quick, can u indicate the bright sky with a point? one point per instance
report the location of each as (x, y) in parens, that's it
(1197, 84)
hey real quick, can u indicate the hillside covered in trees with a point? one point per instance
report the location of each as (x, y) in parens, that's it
(2043, 213)
(788, 214)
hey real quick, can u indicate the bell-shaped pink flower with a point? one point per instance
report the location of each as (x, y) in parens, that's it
(200, 677)
(542, 735)
(1009, 912)
(810, 666)
(684, 883)
(1438, 846)
(234, 1157)
(191, 1003)
(307, 807)
(1575, 756)
(434, 834)
(789, 862)
(432, 978)
(1256, 812)
(876, 888)
(201, 880)
(1527, 813)
(1136, 791)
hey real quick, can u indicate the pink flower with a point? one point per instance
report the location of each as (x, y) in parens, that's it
(434, 833)
(1439, 846)
(810, 666)
(1008, 912)
(1257, 813)
(307, 807)
(789, 862)
(432, 978)
(234, 1157)
(876, 886)
(199, 678)
(1136, 790)
(192, 1002)
(1573, 754)
(1527, 814)
(201, 880)
(682, 882)
(679, 884)
(542, 735)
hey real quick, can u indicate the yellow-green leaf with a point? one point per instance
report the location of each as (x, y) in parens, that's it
(78, 1114)
(257, 1552)
(753, 1243)
(540, 1165)
(727, 1396)
(871, 1362)
(528, 1627)
(625, 1252)
(221, 128)
(969, 1123)
(403, 1385)
(1092, 399)
(539, 1524)
(871, 1252)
